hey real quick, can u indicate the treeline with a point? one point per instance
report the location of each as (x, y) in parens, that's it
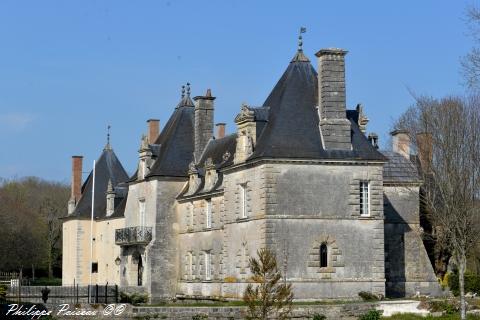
(31, 231)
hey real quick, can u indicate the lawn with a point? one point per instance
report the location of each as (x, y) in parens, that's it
(418, 317)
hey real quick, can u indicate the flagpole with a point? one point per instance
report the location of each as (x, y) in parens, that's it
(91, 230)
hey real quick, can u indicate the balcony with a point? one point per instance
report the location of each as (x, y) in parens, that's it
(133, 236)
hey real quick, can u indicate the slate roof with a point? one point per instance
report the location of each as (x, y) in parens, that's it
(107, 167)
(398, 169)
(176, 142)
(292, 130)
(217, 149)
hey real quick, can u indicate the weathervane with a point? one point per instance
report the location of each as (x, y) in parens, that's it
(300, 42)
(107, 147)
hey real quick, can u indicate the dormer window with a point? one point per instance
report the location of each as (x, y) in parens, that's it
(364, 198)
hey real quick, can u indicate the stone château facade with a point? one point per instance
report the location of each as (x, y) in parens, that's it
(298, 176)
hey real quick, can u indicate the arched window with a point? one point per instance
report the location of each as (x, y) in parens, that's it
(323, 256)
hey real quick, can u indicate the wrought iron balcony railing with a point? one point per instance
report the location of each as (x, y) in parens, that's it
(133, 235)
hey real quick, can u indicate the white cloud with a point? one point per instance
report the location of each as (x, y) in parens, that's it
(15, 121)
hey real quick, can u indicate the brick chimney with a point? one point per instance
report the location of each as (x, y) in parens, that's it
(203, 122)
(425, 150)
(220, 130)
(76, 187)
(334, 125)
(153, 130)
(401, 142)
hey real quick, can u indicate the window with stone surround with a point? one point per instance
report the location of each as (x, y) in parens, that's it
(141, 212)
(190, 216)
(208, 214)
(323, 255)
(189, 266)
(208, 265)
(243, 200)
(364, 198)
(324, 258)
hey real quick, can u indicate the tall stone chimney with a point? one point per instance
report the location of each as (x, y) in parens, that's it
(203, 122)
(153, 130)
(334, 125)
(425, 150)
(110, 198)
(220, 130)
(401, 142)
(76, 187)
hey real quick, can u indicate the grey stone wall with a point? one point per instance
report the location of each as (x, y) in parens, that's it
(162, 254)
(315, 204)
(408, 269)
(339, 311)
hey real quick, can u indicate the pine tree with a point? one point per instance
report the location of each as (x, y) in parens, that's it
(268, 297)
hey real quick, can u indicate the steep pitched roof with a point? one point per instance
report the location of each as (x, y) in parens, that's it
(176, 142)
(399, 169)
(292, 130)
(107, 167)
(221, 151)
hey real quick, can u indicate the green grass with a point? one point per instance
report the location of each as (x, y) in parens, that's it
(418, 317)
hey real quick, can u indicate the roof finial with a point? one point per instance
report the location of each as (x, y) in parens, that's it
(183, 92)
(107, 147)
(188, 89)
(300, 39)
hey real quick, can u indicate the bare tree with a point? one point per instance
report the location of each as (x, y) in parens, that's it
(269, 297)
(30, 228)
(446, 135)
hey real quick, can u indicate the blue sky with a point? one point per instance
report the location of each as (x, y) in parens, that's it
(70, 68)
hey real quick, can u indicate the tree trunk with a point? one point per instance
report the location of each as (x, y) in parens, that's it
(461, 279)
(50, 269)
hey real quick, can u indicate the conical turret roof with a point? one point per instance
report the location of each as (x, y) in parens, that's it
(292, 130)
(107, 168)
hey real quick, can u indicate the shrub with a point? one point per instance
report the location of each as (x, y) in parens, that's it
(200, 316)
(134, 298)
(368, 296)
(318, 316)
(230, 279)
(443, 306)
(472, 283)
(3, 292)
(371, 315)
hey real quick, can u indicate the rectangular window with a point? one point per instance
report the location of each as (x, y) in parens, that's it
(209, 214)
(190, 265)
(243, 200)
(94, 267)
(208, 266)
(364, 198)
(191, 215)
(141, 212)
